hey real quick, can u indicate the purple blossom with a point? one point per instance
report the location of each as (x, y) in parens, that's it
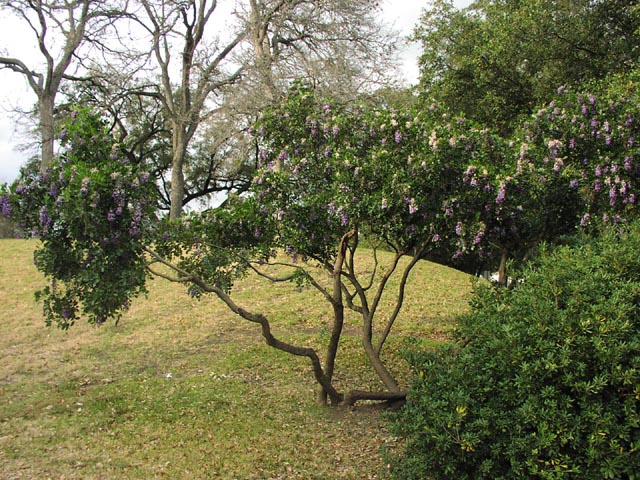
(584, 109)
(111, 216)
(413, 208)
(627, 163)
(478, 238)
(598, 171)
(629, 121)
(119, 197)
(573, 183)
(585, 219)
(136, 220)
(336, 130)
(459, 229)
(257, 232)
(557, 166)
(283, 156)
(572, 143)
(502, 193)
(45, 220)
(436, 238)
(398, 136)
(326, 107)
(5, 206)
(84, 187)
(447, 211)
(384, 204)
(344, 218)
(597, 186)
(631, 142)
(623, 188)
(331, 208)
(457, 255)
(144, 177)
(612, 196)
(328, 152)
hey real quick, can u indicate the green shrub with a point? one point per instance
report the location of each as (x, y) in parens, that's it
(548, 386)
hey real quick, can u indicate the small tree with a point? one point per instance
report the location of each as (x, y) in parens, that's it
(347, 175)
(573, 164)
(91, 209)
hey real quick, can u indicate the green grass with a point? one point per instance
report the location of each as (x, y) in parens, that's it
(182, 388)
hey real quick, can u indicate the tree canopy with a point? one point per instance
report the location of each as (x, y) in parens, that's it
(422, 184)
(495, 61)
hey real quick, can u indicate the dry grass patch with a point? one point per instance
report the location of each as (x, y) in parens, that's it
(182, 388)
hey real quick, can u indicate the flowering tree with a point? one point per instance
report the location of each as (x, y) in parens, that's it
(574, 164)
(346, 175)
(91, 209)
(420, 185)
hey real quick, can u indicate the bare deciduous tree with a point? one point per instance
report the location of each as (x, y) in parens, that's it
(59, 30)
(271, 42)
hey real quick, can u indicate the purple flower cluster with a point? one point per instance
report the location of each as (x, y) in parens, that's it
(5, 206)
(136, 221)
(84, 187)
(502, 194)
(45, 219)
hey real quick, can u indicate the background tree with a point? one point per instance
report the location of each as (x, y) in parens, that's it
(224, 82)
(59, 30)
(497, 60)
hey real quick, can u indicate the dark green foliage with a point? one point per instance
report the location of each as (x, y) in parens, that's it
(548, 386)
(90, 209)
(497, 60)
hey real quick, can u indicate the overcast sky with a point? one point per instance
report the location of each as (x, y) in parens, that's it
(14, 92)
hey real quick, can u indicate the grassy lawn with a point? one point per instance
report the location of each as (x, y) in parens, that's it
(183, 389)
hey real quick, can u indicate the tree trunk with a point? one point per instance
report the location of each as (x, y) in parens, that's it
(502, 270)
(47, 130)
(338, 316)
(179, 141)
(378, 366)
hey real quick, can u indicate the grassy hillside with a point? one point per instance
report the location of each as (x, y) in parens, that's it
(182, 388)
